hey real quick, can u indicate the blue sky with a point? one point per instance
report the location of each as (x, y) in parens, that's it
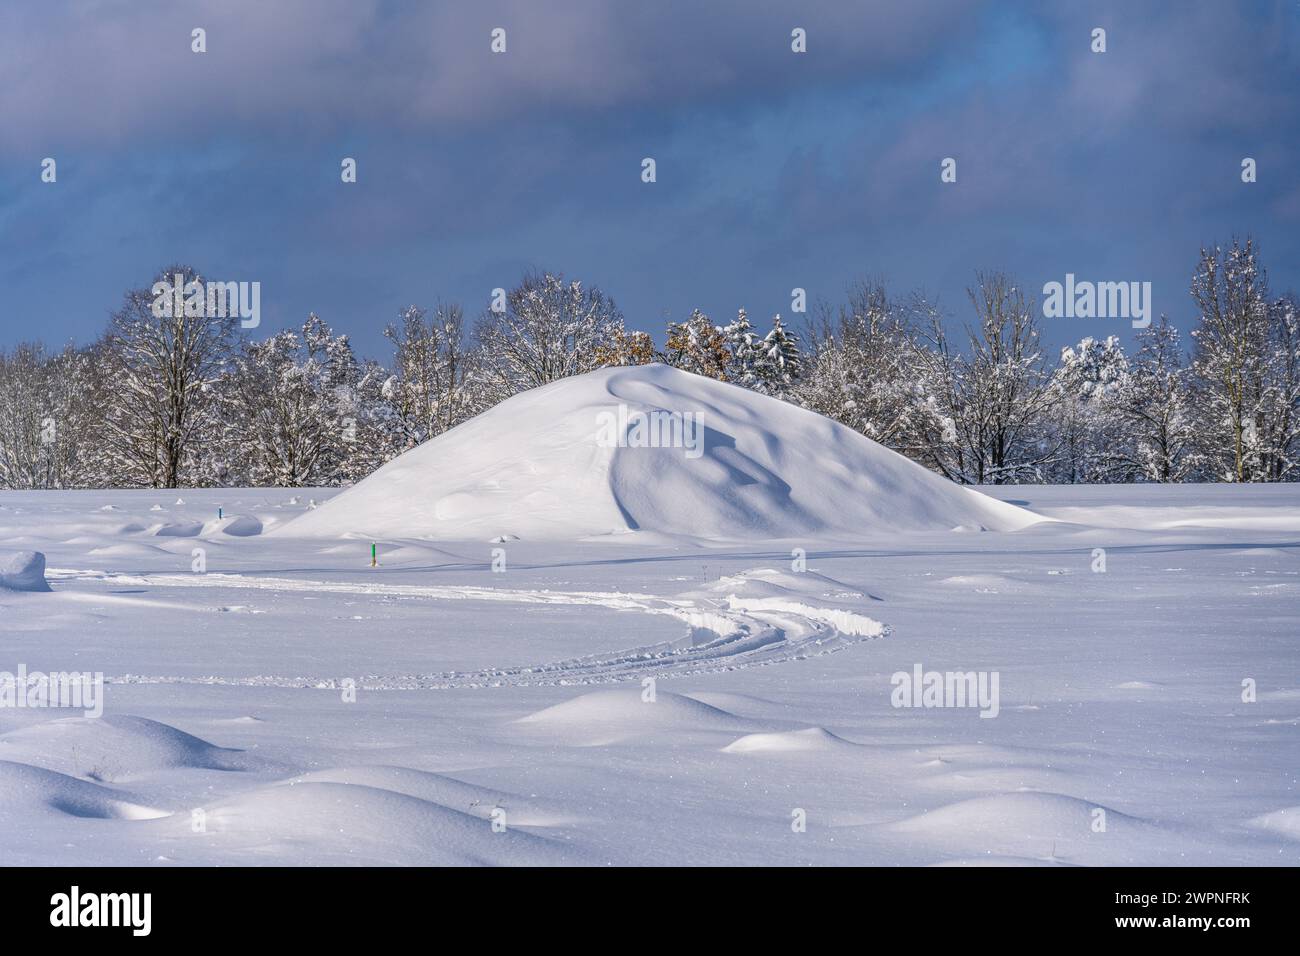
(775, 170)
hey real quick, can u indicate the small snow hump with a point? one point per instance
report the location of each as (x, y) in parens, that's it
(238, 526)
(23, 571)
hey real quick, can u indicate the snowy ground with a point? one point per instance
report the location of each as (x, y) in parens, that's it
(481, 692)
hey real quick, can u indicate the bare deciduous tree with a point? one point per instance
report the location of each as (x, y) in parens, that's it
(550, 329)
(162, 368)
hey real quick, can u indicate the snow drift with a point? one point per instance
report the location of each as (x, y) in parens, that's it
(651, 449)
(22, 571)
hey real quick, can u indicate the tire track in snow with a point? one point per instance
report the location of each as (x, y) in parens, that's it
(730, 634)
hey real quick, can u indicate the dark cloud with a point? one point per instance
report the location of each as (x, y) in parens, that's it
(78, 72)
(775, 170)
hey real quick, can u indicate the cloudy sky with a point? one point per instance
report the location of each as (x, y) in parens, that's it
(775, 170)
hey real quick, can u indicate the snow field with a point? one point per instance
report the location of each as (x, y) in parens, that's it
(522, 692)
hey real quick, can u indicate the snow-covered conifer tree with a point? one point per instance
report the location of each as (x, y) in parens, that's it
(779, 364)
(743, 356)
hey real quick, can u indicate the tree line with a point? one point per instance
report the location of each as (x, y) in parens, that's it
(169, 400)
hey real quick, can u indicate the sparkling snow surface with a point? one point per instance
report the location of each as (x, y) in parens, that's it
(518, 695)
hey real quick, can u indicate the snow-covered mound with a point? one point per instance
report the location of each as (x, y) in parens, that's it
(651, 449)
(808, 740)
(22, 571)
(608, 716)
(36, 790)
(116, 747)
(240, 526)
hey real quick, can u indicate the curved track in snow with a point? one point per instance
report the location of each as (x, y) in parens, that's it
(723, 634)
